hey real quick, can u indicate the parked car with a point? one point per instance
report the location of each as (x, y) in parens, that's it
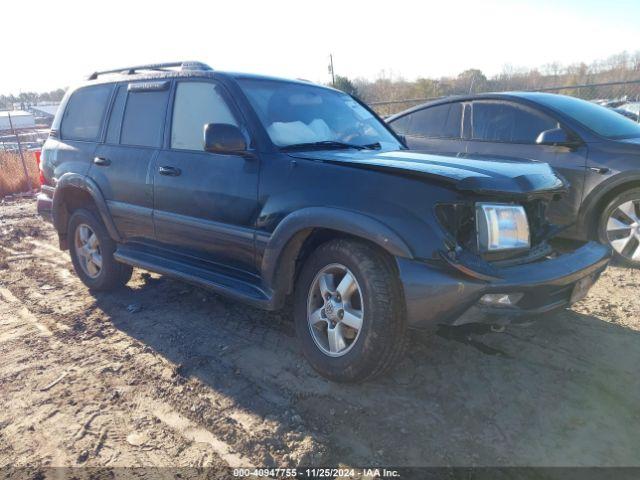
(594, 148)
(627, 113)
(262, 189)
(632, 107)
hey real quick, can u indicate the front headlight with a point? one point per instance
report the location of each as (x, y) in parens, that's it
(501, 227)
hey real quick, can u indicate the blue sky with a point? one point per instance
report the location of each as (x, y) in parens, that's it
(58, 43)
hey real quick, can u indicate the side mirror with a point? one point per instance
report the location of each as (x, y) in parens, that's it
(555, 136)
(223, 138)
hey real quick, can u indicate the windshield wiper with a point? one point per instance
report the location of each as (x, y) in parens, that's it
(331, 144)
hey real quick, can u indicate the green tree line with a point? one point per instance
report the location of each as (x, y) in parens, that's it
(617, 68)
(26, 99)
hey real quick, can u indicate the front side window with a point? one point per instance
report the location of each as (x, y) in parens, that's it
(144, 116)
(295, 114)
(440, 121)
(83, 115)
(197, 104)
(508, 122)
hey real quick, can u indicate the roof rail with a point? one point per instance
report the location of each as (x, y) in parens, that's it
(184, 66)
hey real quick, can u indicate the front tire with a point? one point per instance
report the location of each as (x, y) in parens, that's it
(619, 227)
(349, 311)
(91, 250)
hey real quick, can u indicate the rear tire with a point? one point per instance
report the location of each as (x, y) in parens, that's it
(91, 250)
(374, 297)
(619, 227)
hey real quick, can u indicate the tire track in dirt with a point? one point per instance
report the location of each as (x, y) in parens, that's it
(235, 372)
(237, 427)
(92, 432)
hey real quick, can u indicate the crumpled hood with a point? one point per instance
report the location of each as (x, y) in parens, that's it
(477, 173)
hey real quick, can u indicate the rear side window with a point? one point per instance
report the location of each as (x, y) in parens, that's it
(508, 123)
(115, 120)
(195, 105)
(83, 116)
(144, 116)
(440, 121)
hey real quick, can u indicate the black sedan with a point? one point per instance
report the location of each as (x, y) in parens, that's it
(596, 149)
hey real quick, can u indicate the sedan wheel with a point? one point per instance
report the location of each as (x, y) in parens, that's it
(623, 230)
(335, 310)
(87, 248)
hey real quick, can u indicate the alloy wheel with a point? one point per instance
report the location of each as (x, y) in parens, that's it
(87, 247)
(335, 310)
(623, 230)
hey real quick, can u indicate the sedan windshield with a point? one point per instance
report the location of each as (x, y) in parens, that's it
(603, 121)
(310, 117)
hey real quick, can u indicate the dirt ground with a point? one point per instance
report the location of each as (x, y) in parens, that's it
(161, 373)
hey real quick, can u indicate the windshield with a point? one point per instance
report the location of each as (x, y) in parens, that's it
(601, 120)
(304, 115)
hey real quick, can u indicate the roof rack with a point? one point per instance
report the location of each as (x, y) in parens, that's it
(162, 67)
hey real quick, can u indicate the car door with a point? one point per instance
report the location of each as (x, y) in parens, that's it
(122, 164)
(510, 129)
(433, 129)
(205, 204)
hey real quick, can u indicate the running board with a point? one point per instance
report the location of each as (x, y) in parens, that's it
(218, 282)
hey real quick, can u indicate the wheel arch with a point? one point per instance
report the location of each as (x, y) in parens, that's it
(76, 191)
(600, 196)
(302, 231)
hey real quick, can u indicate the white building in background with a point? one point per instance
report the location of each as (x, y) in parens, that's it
(19, 119)
(44, 111)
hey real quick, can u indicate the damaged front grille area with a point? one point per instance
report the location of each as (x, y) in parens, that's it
(459, 221)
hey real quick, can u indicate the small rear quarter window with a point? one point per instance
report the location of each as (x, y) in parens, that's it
(82, 119)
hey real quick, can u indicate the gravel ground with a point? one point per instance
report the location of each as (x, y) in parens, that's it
(161, 373)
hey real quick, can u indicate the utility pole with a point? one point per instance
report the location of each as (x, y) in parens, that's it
(24, 165)
(333, 77)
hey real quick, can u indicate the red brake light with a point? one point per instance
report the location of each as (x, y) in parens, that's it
(41, 177)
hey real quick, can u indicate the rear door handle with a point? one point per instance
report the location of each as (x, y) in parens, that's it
(169, 171)
(103, 162)
(600, 170)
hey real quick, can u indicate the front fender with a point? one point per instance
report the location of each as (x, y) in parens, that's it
(346, 221)
(86, 184)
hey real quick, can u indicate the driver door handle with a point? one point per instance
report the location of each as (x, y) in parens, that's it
(103, 162)
(169, 171)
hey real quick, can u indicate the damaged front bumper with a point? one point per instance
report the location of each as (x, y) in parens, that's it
(450, 292)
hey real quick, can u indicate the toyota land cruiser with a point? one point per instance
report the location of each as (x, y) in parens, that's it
(263, 189)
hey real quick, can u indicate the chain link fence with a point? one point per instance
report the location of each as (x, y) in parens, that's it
(624, 96)
(19, 153)
(19, 172)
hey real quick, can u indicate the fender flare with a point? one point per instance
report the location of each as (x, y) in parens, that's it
(346, 221)
(82, 182)
(599, 192)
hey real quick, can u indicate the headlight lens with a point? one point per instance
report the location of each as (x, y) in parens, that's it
(501, 227)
